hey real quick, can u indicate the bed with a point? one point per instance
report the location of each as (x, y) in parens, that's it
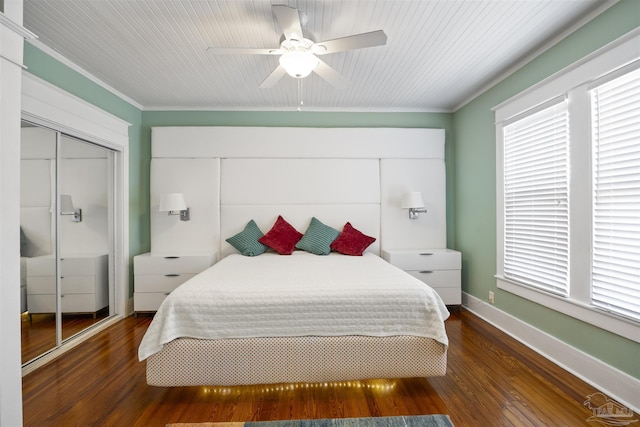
(298, 318)
(301, 317)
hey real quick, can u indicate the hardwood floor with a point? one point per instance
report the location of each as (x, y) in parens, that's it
(491, 380)
(38, 331)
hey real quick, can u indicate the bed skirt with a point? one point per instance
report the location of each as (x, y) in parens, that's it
(312, 359)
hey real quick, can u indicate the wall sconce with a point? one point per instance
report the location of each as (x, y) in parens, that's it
(174, 204)
(413, 202)
(66, 208)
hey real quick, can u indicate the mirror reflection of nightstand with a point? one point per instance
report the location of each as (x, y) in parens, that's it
(84, 284)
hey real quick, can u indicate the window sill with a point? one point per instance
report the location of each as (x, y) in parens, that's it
(589, 314)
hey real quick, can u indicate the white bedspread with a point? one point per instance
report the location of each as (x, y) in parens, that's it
(298, 295)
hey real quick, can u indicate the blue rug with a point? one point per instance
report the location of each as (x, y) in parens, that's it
(405, 421)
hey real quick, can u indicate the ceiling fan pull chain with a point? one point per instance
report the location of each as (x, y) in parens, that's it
(300, 103)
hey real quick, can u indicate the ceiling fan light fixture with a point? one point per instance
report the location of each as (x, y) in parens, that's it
(298, 64)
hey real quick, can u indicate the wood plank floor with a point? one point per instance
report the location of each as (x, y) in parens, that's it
(491, 380)
(38, 331)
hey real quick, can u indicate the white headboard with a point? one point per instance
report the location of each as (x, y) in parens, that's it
(231, 175)
(333, 190)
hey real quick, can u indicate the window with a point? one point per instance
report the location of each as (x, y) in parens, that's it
(568, 190)
(536, 199)
(615, 122)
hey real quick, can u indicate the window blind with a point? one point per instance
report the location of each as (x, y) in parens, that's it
(615, 117)
(536, 245)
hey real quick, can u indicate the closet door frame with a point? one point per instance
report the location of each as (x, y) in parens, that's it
(46, 105)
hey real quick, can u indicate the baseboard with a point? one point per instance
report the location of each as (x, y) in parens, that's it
(611, 381)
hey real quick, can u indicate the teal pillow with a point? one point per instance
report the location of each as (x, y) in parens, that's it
(318, 238)
(246, 242)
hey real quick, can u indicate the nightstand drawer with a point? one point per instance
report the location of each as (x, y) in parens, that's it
(79, 284)
(41, 303)
(450, 296)
(148, 301)
(82, 303)
(70, 265)
(41, 285)
(71, 302)
(427, 259)
(438, 278)
(160, 282)
(75, 266)
(41, 266)
(170, 264)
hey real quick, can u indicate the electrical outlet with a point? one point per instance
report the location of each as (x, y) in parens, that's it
(491, 297)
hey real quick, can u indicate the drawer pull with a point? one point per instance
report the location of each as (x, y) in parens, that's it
(171, 257)
(426, 253)
(167, 293)
(171, 275)
(426, 271)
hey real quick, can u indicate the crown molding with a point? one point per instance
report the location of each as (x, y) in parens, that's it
(75, 67)
(7, 22)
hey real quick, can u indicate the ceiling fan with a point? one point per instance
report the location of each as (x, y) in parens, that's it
(299, 55)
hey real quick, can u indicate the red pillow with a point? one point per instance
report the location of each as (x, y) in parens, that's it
(282, 237)
(351, 241)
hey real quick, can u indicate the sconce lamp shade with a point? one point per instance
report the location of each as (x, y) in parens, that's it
(66, 208)
(172, 202)
(412, 200)
(66, 204)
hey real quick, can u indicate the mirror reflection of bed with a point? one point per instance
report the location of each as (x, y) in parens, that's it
(72, 238)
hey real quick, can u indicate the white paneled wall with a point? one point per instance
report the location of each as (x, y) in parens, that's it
(300, 181)
(230, 175)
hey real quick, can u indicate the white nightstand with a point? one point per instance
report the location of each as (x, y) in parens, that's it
(156, 275)
(439, 268)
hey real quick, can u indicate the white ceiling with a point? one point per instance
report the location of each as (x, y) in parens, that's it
(439, 54)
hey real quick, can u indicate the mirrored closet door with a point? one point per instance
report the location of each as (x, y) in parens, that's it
(66, 221)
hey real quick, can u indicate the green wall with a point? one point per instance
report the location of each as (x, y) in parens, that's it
(475, 191)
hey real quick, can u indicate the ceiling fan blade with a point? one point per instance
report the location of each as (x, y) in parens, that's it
(242, 51)
(273, 78)
(357, 41)
(289, 21)
(331, 75)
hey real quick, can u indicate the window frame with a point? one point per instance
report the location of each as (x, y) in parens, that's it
(574, 83)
